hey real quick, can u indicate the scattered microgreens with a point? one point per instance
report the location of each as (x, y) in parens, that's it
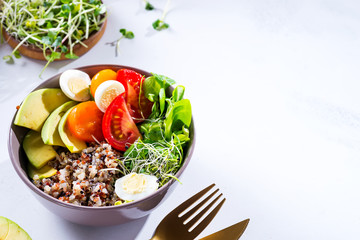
(160, 24)
(125, 34)
(54, 26)
(165, 133)
(148, 5)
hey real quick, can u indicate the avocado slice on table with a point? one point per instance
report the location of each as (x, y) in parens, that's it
(4, 228)
(37, 106)
(49, 132)
(36, 150)
(9, 230)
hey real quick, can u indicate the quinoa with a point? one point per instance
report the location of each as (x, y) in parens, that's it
(80, 179)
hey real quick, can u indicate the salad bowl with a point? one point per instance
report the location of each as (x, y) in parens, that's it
(90, 215)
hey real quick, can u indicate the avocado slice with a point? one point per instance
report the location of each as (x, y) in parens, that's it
(74, 144)
(37, 106)
(4, 228)
(36, 150)
(49, 132)
(9, 230)
(44, 172)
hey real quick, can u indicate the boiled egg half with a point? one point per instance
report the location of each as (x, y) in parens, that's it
(75, 85)
(135, 186)
(106, 92)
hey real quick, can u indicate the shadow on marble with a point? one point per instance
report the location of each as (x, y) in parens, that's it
(124, 231)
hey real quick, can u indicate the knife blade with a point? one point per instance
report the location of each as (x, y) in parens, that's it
(233, 232)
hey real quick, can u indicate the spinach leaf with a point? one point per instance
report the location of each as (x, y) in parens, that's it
(154, 83)
(162, 98)
(152, 131)
(178, 93)
(179, 115)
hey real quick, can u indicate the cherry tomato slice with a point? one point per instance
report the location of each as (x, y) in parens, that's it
(139, 108)
(100, 77)
(85, 121)
(119, 129)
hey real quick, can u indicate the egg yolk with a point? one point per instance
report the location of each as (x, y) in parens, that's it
(78, 87)
(134, 184)
(109, 95)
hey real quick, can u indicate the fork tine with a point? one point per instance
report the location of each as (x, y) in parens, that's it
(196, 218)
(202, 225)
(191, 200)
(198, 206)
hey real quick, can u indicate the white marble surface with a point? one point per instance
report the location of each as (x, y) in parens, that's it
(274, 87)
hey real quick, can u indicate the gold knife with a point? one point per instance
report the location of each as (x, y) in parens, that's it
(233, 232)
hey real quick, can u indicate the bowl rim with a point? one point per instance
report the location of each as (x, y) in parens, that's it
(24, 177)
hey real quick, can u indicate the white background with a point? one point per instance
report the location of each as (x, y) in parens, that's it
(274, 87)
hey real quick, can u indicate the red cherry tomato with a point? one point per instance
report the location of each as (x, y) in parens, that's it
(139, 107)
(119, 129)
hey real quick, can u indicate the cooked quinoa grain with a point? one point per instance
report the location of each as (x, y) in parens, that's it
(80, 178)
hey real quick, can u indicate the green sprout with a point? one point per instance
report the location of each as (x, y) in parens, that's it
(160, 24)
(148, 5)
(124, 34)
(54, 26)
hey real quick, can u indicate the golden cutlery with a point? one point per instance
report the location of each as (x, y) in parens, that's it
(233, 232)
(179, 224)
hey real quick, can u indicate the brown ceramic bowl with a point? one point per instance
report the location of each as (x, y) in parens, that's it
(36, 53)
(95, 216)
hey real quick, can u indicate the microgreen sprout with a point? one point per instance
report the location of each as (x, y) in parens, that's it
(148, 5)
(160, 24)
(124, 34)
(162, 158)
(54, 26)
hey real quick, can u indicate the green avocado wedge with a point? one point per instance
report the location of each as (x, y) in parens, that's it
(9, 230)
(36, 150)
(44, 172)
(74, 144)
(37, 106)
(4, 228)
(50, 131)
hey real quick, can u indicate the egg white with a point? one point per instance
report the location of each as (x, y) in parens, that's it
(75, 85)
(135, 186)
(106, 92)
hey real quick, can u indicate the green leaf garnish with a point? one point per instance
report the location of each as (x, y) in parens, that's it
(160, 25)
(63, 48)
(125, 34)
(149, 6)
(46, 40)
(8, 59)
(71, 56)
(17, 54)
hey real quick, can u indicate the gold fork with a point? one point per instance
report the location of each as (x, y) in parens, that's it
(172, 227)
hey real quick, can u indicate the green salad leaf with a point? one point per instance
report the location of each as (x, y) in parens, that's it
(165, 133)
(154, 83)
(178, 117)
